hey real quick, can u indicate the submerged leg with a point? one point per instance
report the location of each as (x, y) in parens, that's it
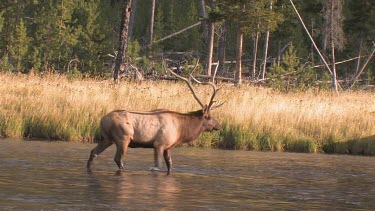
(158, 154)
(122, 146)
(168, 160)
(97, 150)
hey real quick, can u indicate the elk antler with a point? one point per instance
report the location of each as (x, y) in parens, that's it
(188, 82)
(214, 88)
(212, 84)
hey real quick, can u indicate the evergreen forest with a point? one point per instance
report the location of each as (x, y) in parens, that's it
(260, 41)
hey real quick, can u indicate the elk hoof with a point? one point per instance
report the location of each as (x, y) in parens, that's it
(154, 169)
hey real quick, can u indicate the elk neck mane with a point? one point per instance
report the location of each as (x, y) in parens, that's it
(164, 111)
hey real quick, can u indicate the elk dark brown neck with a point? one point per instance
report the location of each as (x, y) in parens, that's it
(191, 126)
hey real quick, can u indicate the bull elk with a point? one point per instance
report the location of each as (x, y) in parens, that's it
(159, 129)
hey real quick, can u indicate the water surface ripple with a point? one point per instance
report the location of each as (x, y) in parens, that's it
(40, 175)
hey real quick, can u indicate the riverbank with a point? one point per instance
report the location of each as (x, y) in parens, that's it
(254, 118)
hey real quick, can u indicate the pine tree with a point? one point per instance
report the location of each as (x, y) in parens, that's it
(359, 30)
(18, 46)
(9, 20)
(290, 74)
(92, 37)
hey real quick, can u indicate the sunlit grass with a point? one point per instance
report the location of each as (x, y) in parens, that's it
(254, 118)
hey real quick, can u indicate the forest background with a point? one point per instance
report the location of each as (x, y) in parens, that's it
(81, 37)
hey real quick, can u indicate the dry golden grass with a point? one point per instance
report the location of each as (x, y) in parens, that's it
(54, 107)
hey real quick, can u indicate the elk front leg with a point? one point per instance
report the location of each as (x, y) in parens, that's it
(158, 155)
(168, 160)
(122, 146)
(97, 150)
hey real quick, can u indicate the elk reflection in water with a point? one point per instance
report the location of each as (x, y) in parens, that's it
(139, 190)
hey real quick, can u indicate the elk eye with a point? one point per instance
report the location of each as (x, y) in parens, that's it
(209, 118)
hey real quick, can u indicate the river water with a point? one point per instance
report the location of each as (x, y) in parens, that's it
(41, 175)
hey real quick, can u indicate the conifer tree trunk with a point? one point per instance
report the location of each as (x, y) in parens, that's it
(134, 4)
(203, 14)
(359, 55)
(333, 58)
(152, 18)
(221, 47)
(266, 42)
(210, 47)
(334, 35)
(312, 46)
(123, 39)
(238, 74)
(210, 43)
(333, 68)
(255, 52)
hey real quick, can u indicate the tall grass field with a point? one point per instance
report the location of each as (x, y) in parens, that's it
(254, 118)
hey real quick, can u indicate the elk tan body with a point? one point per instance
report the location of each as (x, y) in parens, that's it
(159, 129)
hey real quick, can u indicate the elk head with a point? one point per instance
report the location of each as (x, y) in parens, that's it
(209, 123)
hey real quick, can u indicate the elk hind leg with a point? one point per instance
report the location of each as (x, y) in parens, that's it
(97, 150)
(122, 147)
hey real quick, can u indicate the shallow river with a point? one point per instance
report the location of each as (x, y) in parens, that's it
(37, 175)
